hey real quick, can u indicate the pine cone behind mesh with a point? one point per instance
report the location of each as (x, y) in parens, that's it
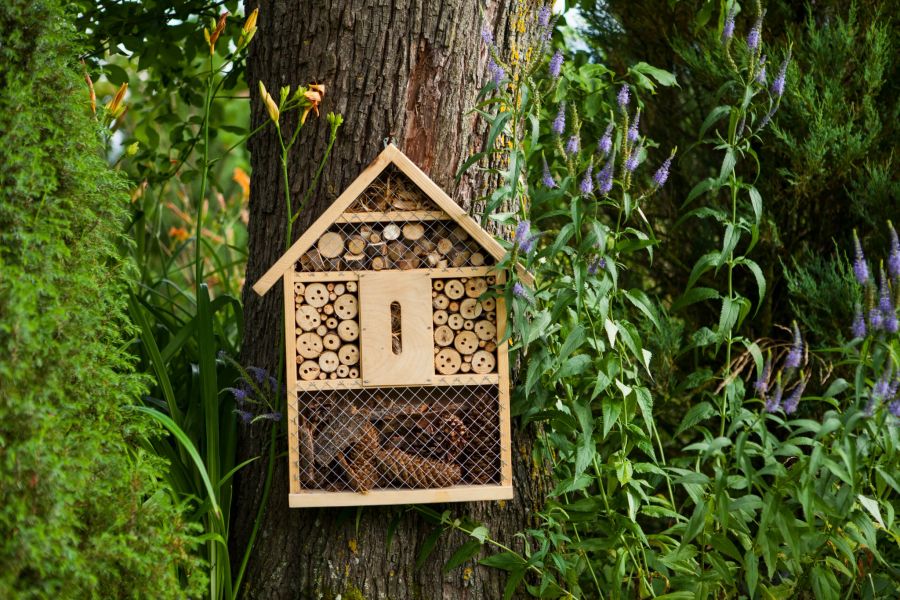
(417, 472)
(358, 460)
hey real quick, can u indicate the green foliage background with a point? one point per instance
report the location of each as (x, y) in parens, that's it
(82, 510)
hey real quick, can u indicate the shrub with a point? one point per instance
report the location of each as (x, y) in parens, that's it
(82, 512)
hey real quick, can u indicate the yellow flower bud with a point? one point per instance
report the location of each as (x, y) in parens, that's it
(271, 107)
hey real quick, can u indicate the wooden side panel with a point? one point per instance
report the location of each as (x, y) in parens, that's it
(414, 365)
(459, 493)
(290, 341)
(503, 373)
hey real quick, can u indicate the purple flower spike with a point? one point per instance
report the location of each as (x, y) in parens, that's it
(244, 416)
(240, 395)
(860, 267)
(662, 174)
(497, 72)
(260, 375)
(894, 408)
(633, 133)
(605, 178)
(876, 320)
(559, 123)
(753, 39)
(543, 17)
(522, 292)
(623, 97)
(891, 325)
(555, 66)
(761, 74)
(487, 36)
(893, 261)
(778, 83)
(885, 303)
(762, 382)
(524, 238)
(773, 403)
(547, 178)
(604, 146)
(796, 354)
(859, 323)
(596, 266)
(728, 28)
(633, 160)
(573, 145)
(793, 401)
(587, 184)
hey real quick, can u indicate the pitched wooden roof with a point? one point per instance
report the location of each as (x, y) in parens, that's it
(390, 155)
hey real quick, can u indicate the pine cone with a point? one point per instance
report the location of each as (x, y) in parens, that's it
(358, 460)
(417, 472)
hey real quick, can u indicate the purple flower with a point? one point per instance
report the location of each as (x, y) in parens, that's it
(240, 395)
(761, 74)
(259, 375)
(762, 382)
(796, 354)
(623, 97)
(753, 36)
(728, 28)
(859, 323)
(662, 174)
(605, 178)
(893, 261)
(891, 325)
(885, 304)
(633, 160)
(487, 36)
(597, 265)
(555, 66)
(773, 403)
(524, 238)
(587, 183)
(547, 179)
(894, 408)
(497, 72)
(767, 117)
(559, 123)
(778, 83)
(573, 145)
(860, 267)
(522, 292)
(876, 319)
(543, 17)
(633, 133)
(604, 146)
(790, 405)
(244, 415)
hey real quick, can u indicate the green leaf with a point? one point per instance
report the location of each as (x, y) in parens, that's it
(642, 302)
(824, 583)
(662, 77)
(694, 295)
(512, 582)
(727, 165)
(696, 414)
(696, 524)
(757, 204)
(727, 317)
(463, 554)
(714, 115)
(480, 533)
(507, 561)
(428, 546)
(751, 571)
(873, 508)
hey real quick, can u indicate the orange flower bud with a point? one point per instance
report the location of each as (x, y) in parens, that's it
(212, 37)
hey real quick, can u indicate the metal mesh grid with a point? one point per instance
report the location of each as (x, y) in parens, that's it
(465, 326)
(392, 190)
(393, 225)
(327, 317)
(398, 438)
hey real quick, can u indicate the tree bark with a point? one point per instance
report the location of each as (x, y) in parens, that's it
(409, 70)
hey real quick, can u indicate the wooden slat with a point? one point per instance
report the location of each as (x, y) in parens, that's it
(395, 215)
(329, 384)
(503, 373)
(466, 379)
(414, 365)
(290, 340)
(325, 276)
(309, 237)
(459, 493)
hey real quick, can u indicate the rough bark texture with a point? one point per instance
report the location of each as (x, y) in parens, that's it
(409, 69)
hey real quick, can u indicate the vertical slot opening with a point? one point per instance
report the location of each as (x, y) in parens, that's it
(396, 339)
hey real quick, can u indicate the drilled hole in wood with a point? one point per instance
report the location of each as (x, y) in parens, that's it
(396, 340)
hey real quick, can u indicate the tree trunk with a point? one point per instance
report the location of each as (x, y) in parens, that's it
(410, 70)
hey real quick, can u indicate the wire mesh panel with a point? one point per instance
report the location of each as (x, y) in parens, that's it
(398, 438)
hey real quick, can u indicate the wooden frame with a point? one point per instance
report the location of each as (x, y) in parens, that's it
(413, 289)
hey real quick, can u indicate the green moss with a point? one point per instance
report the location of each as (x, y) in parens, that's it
(82, 512)
(351, 592)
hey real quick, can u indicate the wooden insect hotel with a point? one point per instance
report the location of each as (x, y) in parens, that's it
(398, 385)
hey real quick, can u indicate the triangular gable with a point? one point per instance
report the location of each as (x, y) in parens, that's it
(390, 155)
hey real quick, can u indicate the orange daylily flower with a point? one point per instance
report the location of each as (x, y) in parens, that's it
(241, 178)
(212, 37)
(179, 234)
(314, 96)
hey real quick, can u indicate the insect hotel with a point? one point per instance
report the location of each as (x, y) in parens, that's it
(398, 385)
